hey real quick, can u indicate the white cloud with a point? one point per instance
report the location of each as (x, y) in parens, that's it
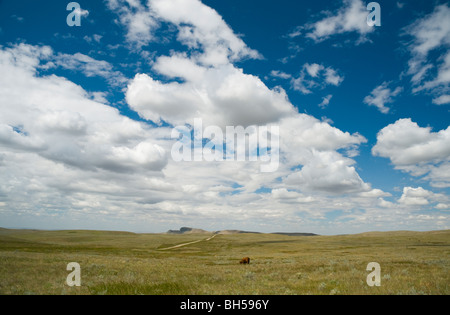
(443, 99)
(28, 58)
(220, 96)
(422, 197)
(416, 150)
(328, 172)
(381, 96)
(137, 18)
(442, 206)
(406, 143)
(201, 27)
(325, 101)
(332, 77)
(304, 131)
(430, 37)
(180, 66)
(400, 5)
(212, 88)
(55, 118)
(441, 82)
(89, 66)
(280, 74)
(302, 85)
(351, 17)
(62, 121)
(375, 193)
(286, 196)
(94, 38)
(431, 31)
(415, 196)
(17, 140)
(312, 145)
(385, 204)
(315, 76)
(313, 69)
(99, 97)
(439, 174)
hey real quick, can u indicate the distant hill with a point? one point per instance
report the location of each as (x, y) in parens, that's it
(188, 230)
(295, 234)
(233, 232)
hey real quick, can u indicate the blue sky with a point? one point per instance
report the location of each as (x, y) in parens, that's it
(87, 114)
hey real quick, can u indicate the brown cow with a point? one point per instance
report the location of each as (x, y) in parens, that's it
(245, 261)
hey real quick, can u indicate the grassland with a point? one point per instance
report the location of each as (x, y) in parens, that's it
(34, 262)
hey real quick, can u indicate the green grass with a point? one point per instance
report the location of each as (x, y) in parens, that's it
(34, 262)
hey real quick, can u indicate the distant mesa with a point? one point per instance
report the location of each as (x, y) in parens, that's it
(187, 230)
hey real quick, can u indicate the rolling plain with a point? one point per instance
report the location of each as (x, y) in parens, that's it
(123, 263)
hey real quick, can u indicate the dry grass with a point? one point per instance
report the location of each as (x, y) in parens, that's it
(34, 262)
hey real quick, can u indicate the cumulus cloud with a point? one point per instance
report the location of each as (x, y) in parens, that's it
(220, 96)
(312, 146)
(328, 172)
(415, 196)
(421, 197)
(304, 131)
(56, 119)
(416, 150)
(381, 96)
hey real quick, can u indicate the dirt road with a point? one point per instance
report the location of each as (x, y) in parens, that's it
(189, 243)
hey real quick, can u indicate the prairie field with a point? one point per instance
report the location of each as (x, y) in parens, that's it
(122, 263)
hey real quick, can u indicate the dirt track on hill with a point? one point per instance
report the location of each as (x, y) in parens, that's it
(189, 243)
